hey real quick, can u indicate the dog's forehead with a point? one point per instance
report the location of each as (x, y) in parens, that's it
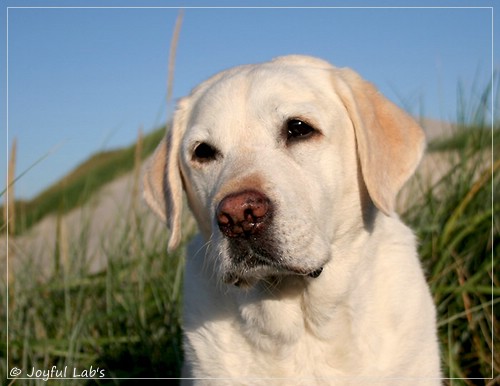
(252, 90)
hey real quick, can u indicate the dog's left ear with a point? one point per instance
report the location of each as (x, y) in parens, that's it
(390, 143)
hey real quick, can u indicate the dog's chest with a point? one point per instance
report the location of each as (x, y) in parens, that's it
(285, 335)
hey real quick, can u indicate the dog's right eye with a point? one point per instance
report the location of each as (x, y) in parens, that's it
(203, 152)
(297, 129)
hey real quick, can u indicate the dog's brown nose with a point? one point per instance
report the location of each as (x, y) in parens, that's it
(243, 214)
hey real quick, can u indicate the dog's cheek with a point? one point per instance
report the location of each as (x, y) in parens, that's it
(334, 188)
(197, 189)
(200, 213)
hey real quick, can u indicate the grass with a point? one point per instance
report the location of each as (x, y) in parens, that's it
(458, 224)
(125, 319)
(458, 227)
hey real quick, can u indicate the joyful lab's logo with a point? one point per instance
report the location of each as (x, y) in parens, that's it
(54, 372)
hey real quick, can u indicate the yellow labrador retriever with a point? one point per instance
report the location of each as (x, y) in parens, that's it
(302, 273)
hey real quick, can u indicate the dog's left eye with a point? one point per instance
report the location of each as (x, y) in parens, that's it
(297, 129)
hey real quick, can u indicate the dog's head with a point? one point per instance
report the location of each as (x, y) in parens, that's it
(279, 162)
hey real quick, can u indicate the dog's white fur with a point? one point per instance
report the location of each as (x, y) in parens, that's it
(369, 316)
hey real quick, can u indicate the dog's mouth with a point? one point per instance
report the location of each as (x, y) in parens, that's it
(250, 277)
(251, 264)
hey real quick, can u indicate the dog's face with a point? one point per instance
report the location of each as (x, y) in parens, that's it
(263, 161)
(279, 161)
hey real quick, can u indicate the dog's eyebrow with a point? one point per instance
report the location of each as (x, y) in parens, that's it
(306, 112)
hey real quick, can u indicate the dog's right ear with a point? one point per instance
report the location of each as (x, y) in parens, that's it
(162, 182)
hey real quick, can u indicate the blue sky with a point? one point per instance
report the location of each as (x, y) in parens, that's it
(82, 80)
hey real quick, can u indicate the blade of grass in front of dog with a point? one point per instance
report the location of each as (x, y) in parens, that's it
(9, 208)
(172, 54)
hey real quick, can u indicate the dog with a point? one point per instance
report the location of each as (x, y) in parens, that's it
(302, 273)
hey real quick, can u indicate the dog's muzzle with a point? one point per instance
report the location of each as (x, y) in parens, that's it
(245, 218)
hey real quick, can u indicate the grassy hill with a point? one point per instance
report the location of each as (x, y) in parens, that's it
(78, 186)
